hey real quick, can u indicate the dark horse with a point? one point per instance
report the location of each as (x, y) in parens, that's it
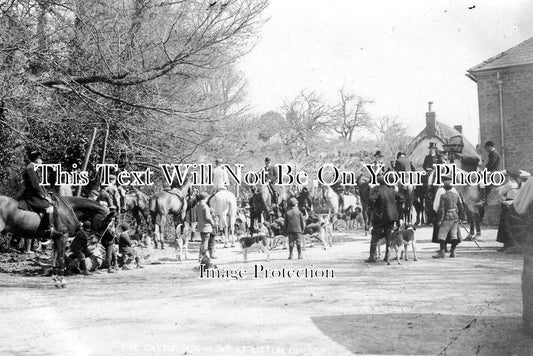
(261, 206)
(363, 186)
(408, 193)
(69, 212)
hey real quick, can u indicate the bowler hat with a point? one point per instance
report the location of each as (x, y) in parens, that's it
(433, 145)
(446, 178)
(34, 155)
(203, 196)
(218, 161)
(378, 154)
(267, 159)
(124, 226)
(489, 144)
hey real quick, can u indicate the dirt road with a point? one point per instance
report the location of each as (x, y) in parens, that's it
(463, 306)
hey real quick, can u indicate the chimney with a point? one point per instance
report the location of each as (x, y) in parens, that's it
(459, 128)
(431, 125)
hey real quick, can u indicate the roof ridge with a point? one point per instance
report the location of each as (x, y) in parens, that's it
(480, 66)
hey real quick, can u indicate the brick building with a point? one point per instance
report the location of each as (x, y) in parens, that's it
(505, 99)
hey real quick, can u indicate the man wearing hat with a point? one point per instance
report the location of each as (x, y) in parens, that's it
(272, 177)
(495, 159)
(205, 226)
(79, 246)
(432, 157)
(34, 197)
(113, 192)
(384, 202)
(403, 164)
(449, 212)
(220, 177)
(294, 227)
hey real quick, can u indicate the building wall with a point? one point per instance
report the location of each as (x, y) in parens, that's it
(517, 96)
(517, 89)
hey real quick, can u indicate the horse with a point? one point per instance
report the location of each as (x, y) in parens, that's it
(332, 201)
(224, 205)
(69, 211)
(262, 208)
(168, 202)
(408, 193)
(137, 203)
(363, 187)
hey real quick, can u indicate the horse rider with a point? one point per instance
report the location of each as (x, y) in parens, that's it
(34, 196)
(112, 190)
(272, 177)
(431, 158)
(220, 179)
(495, 161)
(403, 164)
(379, 160)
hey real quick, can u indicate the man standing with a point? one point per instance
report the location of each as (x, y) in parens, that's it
(450, 211)
(384, 201)
(34, 197)
(294, 227)
(495, 159)
(205, 226)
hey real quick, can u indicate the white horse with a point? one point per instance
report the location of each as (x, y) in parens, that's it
(332, 200)
(224, 206)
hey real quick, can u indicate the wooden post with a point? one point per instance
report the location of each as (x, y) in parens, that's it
(104, 150)
(86, 159)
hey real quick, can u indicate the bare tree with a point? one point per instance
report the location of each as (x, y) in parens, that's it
(305, 118)
(391, 135)
(350, 114)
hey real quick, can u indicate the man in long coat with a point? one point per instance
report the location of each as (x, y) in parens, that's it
(34, 197)
(384, 201)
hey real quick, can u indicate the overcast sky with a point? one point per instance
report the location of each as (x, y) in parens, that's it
(401, 54)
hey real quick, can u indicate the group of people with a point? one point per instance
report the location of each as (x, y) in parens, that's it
(113, 240)
(450, 205)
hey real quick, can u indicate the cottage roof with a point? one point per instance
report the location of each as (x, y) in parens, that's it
(520, 54)
(418, 148)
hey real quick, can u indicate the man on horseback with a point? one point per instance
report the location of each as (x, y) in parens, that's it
(271, 176)
(431, 158)
(34, 197)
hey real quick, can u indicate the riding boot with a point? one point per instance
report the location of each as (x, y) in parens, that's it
(51, 227)
(299, 249)
(454, 245)
(441, 254)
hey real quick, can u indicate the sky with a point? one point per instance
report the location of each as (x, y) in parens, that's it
(401, 54)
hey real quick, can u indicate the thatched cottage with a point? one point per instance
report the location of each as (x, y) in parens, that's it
(442, 135)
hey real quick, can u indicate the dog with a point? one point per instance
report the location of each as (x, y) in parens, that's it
(277, 230)
(356, 219)
(206, 263)
(400, 240)
(320, 230)
(257, 242)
